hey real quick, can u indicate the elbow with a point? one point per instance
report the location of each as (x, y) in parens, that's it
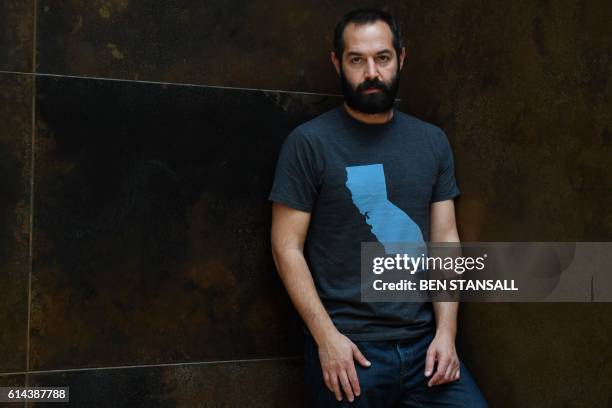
(284, 251)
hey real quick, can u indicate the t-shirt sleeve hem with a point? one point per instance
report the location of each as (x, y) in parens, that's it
(443, 197)
(289, 202)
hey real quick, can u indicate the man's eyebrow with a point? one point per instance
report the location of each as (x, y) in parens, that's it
(385, 51)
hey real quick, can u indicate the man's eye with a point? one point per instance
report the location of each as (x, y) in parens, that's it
(355, 60)
(384, 58)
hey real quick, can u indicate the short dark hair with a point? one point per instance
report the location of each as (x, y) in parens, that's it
(366, 15)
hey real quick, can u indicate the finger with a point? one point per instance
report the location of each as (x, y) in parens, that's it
(450, 372)
(443, 365)
(346, 385)
(458, 374)
(454, 375)
(336, 386)
(434, 379)
(327, 381)
(430, 360)
(440, 371)
(360, 357)
(352, 376)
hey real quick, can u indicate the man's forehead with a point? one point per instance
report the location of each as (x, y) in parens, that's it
(369, 37)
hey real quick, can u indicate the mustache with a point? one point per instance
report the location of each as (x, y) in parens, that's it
(372, 84)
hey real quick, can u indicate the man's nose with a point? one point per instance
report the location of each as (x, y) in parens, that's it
(372, 70)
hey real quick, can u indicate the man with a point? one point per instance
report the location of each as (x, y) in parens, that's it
(373, 354)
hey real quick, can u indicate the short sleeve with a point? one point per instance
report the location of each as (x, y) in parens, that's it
(295, 178)
(446, 186)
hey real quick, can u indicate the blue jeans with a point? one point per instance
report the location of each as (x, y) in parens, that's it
(395, 378)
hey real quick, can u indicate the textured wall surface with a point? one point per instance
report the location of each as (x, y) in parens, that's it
(17, 35)
(15, 159)
(151, 223)
(137, 144)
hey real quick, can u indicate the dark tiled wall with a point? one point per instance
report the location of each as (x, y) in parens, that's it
(151, 225)
(271, 383)
(17, 35)
(15, 160)
(147, 278)
(274, 44)
(150, 241)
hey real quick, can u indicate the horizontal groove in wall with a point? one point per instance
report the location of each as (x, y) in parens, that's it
(250, 360)
(165, 83)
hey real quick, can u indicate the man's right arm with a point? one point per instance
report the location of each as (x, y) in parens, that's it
(289, 228)
(336, 351)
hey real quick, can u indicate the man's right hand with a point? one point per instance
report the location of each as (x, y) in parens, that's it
(336, 353)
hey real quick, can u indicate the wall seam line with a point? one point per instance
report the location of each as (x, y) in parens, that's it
(31, 215)
(42, 74)
(189, 363)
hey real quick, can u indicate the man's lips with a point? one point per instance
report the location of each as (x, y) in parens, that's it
(371, 90)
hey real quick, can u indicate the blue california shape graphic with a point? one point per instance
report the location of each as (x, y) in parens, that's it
(392, 227)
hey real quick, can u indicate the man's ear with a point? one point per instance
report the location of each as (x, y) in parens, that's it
(402, 56)
(335, 61)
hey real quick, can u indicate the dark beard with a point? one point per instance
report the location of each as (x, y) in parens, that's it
(376, 102)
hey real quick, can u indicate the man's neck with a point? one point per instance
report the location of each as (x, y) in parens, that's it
(370, 118)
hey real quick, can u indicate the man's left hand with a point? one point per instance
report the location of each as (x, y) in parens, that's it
(442, 349)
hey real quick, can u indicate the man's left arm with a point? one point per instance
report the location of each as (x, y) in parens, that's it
(443, 228)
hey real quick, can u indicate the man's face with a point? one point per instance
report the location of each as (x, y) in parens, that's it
(369, 70)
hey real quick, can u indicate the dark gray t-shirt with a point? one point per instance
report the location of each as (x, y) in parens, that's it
(364, 183)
